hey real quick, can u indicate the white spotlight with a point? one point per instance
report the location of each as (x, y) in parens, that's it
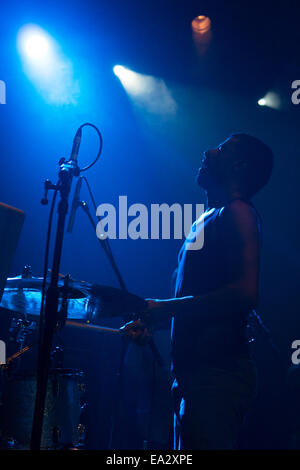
(145, 91)
(133, 82)
(34, 42)
(46, 66)
(261, 102)
(118, 69)
(271, 100)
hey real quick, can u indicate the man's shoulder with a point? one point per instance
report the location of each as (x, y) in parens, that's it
(238, 207)
(239, 213)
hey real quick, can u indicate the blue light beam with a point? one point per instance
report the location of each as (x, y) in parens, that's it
(45, 65)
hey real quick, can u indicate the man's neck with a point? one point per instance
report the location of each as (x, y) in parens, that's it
(219, 198)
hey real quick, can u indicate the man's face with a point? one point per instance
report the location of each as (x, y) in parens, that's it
(217, 165)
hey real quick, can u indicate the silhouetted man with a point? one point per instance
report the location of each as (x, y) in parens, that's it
(216, 289)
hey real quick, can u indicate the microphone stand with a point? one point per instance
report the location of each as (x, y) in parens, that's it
(67, 171)
(86, 209)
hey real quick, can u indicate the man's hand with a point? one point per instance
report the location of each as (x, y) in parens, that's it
(155, 305)
(137, 331)
(161, 309)
(158, 310)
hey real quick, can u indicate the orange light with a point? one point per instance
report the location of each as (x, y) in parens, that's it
(201, 29)
(201, 24)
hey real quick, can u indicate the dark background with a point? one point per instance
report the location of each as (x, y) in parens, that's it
(153, 158)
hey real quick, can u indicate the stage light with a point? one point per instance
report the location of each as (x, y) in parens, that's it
(146, 91)
(118, 69)
(35, 42)
(201, 24)
(271, 100)
(46, 66)
(201, 28)
(133, 82)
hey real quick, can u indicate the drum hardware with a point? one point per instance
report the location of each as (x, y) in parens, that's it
(55, 436)
(65, 403)
(27, 272)
(81, 430)
(20, 329)
(63, 311)
(20, 335)
(83, 301)
(85, 304)
(57, 357)
(76, 289)
(14, 356)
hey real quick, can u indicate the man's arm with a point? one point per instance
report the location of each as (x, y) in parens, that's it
(240, 241)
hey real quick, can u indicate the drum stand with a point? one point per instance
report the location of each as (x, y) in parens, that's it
(114, 438)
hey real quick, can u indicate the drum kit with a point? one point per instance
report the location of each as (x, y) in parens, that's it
(36, 310)
(87, 305)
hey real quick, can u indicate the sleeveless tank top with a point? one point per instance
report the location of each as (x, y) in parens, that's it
(194, 341)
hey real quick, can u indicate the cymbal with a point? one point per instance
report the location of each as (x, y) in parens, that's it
(27, 303)
(114, 302)
(75, 289)
(87, 302)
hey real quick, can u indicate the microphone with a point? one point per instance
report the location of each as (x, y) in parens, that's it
(76, 145)
(75, 204)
